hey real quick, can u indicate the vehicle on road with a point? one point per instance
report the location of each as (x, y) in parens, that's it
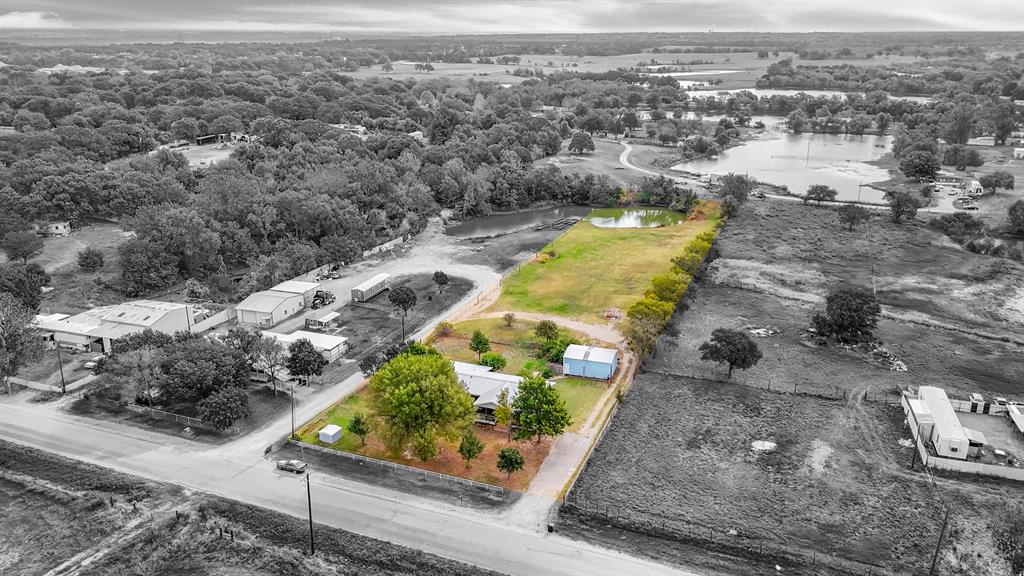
(295, 466)
(94, 362)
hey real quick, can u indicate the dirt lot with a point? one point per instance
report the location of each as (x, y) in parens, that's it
(835, 488)
(58, 510)
(503, 252)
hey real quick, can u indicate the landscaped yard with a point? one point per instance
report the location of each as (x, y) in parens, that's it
(590, 270)
(581, 396)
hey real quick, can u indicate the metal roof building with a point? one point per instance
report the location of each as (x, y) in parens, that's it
(306, 289)
(93, 330)
(590, 361)
(948, 435)
(268, 308)
(330, 346)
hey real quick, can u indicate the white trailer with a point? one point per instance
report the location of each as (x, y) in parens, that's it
(371, 287)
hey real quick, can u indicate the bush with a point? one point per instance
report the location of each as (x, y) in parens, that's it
(553, 349)
(959, 226)
(443, 329)
(494, 360)
(90, 259)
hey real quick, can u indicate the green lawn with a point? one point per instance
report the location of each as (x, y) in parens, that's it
(580, 395)
(516, 343)
(593, 269)
(340, 414)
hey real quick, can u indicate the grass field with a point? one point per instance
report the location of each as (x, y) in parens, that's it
(597, 269)
(518, 343)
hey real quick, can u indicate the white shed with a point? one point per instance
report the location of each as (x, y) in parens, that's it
(268, 308)
(948, 435)
(306, 289)
(329, 434)
(1018, 153)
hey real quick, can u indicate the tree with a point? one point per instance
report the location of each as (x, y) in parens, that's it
(196, 368)
(902, 205)
(581, 142)
(19, 343)
(734, 347)
(341, 249)
(882, 121)
(503, 413)
(224, 407)
(402, 299)
(441, 279)
(797, 120)
(850, 314)
(470, 447)
(510, 319)
(269, 358)
(539, 410)
(90, 259)
(358, 426)
(920, 165)
(418, 397)
(304, 360)
(852, 215)
(24, 282)
(246, 342)
(510, 460)
(22, 244)
(146, 266)
(737, 186)
(997, 179)
(546, 330)
(1015, 217)
(479, 343)
(820, 193)
(494, 360)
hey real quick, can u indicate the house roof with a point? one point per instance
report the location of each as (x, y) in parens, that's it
(265, 301)
(318, 340)
(372, 281)
(111, 321)
(296, 286)
(590, 354)
(946, 422)
(920, 411)
(484, 384)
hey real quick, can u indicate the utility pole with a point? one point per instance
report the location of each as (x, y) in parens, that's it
(60, 364)
(291, 392)
(309, 501)
(938, 545)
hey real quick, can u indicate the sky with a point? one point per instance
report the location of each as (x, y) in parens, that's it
(515, 16)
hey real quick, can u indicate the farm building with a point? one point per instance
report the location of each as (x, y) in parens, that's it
(322, 320)
(306, 289)
(331, 347)
(982, 141)
(947, 434)
(485, 385)
(371, 287)
(94, 330)
(590, 361)
(1018, 153)
(52, 228)
(268, 308)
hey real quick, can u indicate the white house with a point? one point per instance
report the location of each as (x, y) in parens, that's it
(1018, 153)
(947, 434)
(306, 289)
(94, 330)
(268, 308)
(329, 346)
(485, 386)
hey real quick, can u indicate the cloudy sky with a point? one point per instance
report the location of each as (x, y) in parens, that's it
(480, 16)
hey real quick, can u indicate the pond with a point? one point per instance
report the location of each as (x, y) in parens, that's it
(769, 92)
(800, 160)
(634, 217)
(505, 223)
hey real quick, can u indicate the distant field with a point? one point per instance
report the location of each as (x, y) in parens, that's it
(594, 269)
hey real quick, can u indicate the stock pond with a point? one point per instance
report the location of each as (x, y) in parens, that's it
(634, 217)
(498, 224)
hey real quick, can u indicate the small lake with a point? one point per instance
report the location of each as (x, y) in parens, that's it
(504, 223)
(634, 217)
(800, 160)
(769, 92)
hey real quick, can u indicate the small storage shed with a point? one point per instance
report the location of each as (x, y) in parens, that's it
(306, 289)
(321, 320)
(1018, 153)
(590, 361)
(329, 434)
(371, 287)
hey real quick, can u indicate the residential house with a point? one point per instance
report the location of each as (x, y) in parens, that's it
(484, 386)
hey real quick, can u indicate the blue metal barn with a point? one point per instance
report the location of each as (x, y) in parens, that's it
(590, 361)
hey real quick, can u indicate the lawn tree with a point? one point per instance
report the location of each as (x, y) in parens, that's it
(402, 299)
(820, 193)
(997, 179)
(852, 215)
(850, 314)
(733, 347)
(246, 342)
(1015, 218)
(546, 330)
(494, 360)
(196, 368)
(24, 282)
(224, 407)
(19, 343)
(479, 343)
(442, 280)
(358, 426)
(418, 397)
(581, 142)
(22, 245)
(270, 358)
(539, 410)
(510, 319)
(304, 360)
(503, 414)
(902, 205)
(470, 447)
(90, 259)
(920, 165)
(510, 460)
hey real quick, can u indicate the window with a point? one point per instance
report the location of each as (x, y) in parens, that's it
(951, 449)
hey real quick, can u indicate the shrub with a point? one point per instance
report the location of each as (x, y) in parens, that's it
(552, 350)
(90, 259)
(959, 226)
(494, 360)
(546, 330)
(443, 329)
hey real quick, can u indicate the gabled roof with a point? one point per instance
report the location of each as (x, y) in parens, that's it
(590, 354)
(319, 340)
(296, 286)
(484, 384)
(946, 421)
(265, 301)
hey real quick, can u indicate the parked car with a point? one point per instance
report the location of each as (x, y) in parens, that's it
(978, 398)
(1001, 401)
(969, 207)
(93, 362)
(296, 466)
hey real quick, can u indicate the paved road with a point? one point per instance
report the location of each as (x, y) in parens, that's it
(511, 542)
